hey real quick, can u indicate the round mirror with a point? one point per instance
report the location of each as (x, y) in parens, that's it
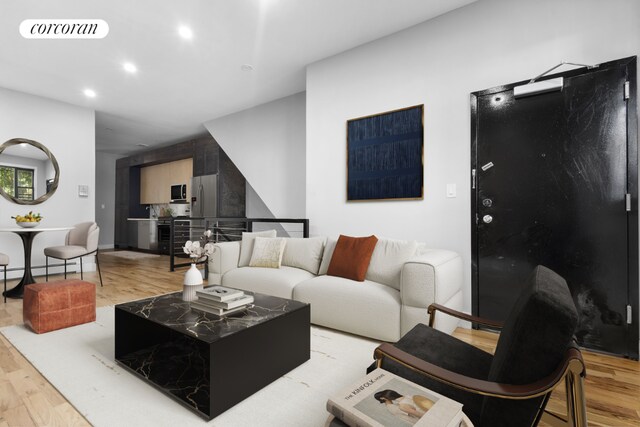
(29, 173)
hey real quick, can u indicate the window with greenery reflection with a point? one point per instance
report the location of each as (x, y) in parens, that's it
(17, 182)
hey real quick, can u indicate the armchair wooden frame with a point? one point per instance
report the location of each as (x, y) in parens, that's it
(572, 370)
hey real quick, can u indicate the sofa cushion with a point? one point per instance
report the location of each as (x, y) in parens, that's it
(278, 282)
(329, 247)
(267, 252)
(305, 253)
(364, 308)
(246, 247)
(387, 260)
(351, 257)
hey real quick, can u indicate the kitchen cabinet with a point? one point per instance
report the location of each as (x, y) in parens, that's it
(156, 180)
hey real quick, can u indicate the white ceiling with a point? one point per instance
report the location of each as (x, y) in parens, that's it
(182, 83)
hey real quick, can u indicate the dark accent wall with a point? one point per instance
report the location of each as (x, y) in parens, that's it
(208, 158)
(231, 188)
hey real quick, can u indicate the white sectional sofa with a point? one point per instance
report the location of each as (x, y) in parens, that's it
(402, 280)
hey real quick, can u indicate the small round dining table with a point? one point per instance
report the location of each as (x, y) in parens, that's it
(26, 235)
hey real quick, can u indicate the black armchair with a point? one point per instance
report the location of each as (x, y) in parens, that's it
(535, 352)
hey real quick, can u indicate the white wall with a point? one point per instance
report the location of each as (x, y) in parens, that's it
(69, 133)
(267, 144)
(256, 208)
(106, 197)
(438, 64)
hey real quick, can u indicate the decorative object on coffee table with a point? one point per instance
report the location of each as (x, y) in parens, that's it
(192, 283)
(193, 277)
(384, 156)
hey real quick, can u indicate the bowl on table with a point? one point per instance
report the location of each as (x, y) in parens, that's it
(25, 224)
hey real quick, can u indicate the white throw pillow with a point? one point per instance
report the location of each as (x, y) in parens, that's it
(267, 252)
(329, 247)
(246, 248)
(387, 260)
(305, 253)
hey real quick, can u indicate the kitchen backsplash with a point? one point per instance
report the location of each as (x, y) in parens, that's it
(168, 209)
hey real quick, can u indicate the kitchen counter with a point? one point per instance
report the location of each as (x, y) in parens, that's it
(142, 219)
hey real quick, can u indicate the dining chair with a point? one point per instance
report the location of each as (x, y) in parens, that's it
(81, 241)
(4, 261)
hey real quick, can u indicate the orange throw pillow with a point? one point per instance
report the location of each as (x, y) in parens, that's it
(351, 257)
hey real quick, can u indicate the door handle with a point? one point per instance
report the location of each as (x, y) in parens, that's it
(487, 219)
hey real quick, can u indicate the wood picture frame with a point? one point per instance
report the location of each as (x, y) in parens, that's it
(385, 156)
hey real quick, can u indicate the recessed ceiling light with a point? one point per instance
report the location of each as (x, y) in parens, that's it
(185, 32)
(246, 67)
(129, 67)
(89, 93)
(142, 145)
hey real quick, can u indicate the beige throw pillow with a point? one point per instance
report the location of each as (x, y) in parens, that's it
(304, 253)
(246, 248)
(267, 252)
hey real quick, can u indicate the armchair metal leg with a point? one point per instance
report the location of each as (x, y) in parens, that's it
(81, 272)
(98, 265)
(5, 283)
(576, 404)
(46, 270)
(65, 269)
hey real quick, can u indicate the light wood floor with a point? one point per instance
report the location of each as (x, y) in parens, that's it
(27, 399)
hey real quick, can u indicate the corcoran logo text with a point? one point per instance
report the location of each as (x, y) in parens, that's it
(64, 29)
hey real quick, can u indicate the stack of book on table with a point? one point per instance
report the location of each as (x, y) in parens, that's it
(382, 399)
(220, 300)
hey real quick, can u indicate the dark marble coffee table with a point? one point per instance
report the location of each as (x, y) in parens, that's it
(209, 363)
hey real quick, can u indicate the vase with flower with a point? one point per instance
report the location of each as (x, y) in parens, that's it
(197, 252)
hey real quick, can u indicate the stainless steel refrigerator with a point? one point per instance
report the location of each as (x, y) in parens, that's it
(204, 196)
(204, 203)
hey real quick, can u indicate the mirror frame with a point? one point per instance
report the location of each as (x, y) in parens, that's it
(54, 185)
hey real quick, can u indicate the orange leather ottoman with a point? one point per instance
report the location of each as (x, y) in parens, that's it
(57, 305)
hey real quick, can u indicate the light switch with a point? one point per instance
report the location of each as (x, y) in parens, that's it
(451, 190)
(102, 206)
(83, 190)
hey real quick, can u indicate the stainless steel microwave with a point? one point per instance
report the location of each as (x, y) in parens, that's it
(179, 193)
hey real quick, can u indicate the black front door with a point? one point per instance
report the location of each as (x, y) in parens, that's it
(551, 185)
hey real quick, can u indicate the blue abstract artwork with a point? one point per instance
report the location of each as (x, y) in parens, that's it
(385, 155)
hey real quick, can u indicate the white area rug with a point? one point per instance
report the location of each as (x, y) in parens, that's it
(80, 363)
(129, 254)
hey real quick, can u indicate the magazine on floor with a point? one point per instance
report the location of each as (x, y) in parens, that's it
(382, 399)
